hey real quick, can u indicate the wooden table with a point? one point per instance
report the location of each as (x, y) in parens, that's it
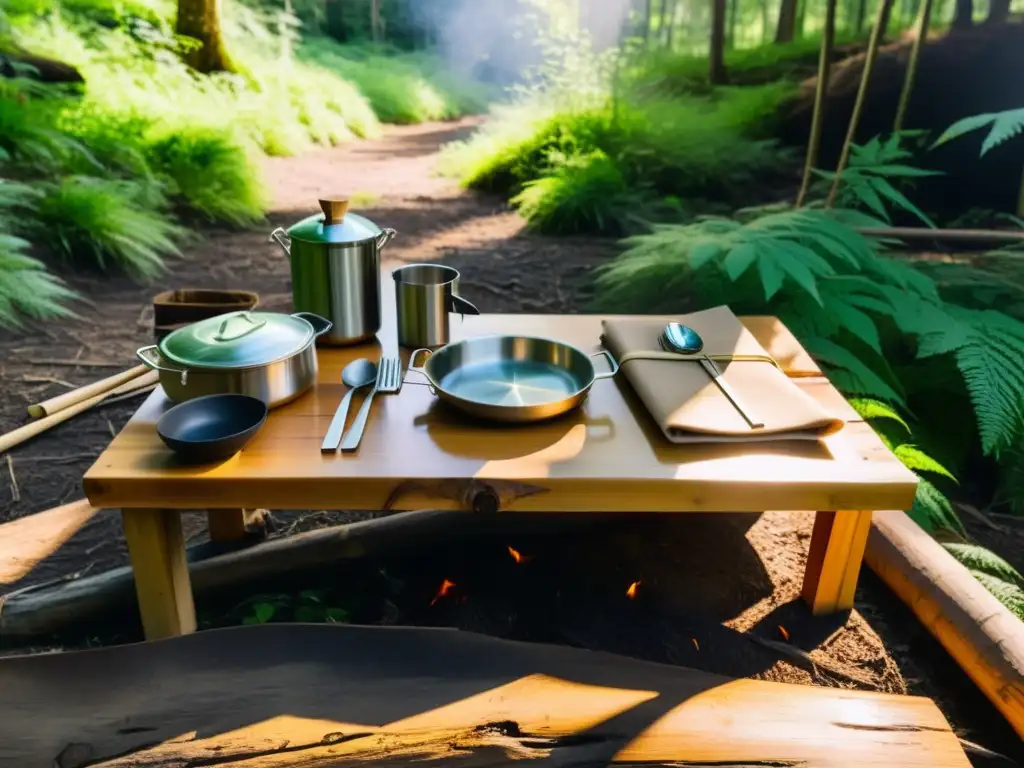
(607, 457)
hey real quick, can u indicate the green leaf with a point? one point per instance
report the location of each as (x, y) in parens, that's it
(337, 615)
(857, 323)
(869, 409)
(1010, 595)
(738, 260)
(1004, 127)
(963, 127)
(919, 461)
(932, 510)
(977, 558)
(703, 252)
(861, 379)
(906, 171)
(263, 612)
(885, 189)
(309, 614)
(862, 191)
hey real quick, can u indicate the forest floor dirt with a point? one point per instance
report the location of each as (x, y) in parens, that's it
(505, 269)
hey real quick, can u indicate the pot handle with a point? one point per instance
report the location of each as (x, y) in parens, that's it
(321, 325)
(385, 237)
(254, 325)
(421, 369)
(458, 304)
(611, 364)
(280, 237)
(150, 357)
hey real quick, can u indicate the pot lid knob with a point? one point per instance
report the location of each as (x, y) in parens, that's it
(334, 209)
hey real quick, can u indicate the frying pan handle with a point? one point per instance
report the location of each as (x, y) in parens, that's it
(420, 369)
(611, 364)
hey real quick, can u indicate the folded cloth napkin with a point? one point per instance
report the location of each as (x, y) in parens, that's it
(687, 404)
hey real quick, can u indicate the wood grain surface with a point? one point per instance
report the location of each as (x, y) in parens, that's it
(283, 696)
(608, 456)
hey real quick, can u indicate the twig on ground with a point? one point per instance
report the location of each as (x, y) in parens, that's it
(976, 514)
(76, 362)
(15, 493)
(29, 379)
(143, 320)
(110, 426)
(803, 659)
(59, 459)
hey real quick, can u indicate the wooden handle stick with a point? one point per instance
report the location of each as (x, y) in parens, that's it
(75, 396)
(27, 432)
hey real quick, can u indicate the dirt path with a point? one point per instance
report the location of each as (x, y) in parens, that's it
(504, 270)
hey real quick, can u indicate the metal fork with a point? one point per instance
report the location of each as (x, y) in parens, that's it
(389, 381)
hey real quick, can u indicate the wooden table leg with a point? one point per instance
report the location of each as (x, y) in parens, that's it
(233, 524)
(156, 546)
(834, 559)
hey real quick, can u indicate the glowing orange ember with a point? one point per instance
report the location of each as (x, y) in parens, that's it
(444, 589)
(784, 632)
(517, 556)
(695, 643)
(631, 592)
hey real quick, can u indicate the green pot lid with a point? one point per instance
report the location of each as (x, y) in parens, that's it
(237, 340)
(334, 225)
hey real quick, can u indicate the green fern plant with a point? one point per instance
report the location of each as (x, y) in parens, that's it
(1002, 126)
(996, 575)
(26, 288)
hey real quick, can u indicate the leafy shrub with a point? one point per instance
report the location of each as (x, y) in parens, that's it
(705, 150)
(26, 288)
(101, 220)
(998, 576)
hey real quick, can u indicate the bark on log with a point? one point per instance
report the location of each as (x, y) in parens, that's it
(303, 695)
(972, 625)
(28, 540)
(45, 70)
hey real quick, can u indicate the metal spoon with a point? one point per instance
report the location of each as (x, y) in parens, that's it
(357, 374)
(686, 341)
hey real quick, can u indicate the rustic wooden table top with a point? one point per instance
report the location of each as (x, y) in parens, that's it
(608, 456)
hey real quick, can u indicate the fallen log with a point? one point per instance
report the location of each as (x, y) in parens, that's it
(49, 608)
(978, 631)
(302, 695)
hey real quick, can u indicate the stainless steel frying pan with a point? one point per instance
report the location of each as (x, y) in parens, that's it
(511, 378)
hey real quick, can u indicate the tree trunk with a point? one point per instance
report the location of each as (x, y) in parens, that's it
(883, 19)
(801, 15)
(716, 54)
(787, 22)
(998, 12)
(884, 9)
(862, 11)
(661, 19)
(375, 24)
(923, 20)
(200, 20)
(828, 39)
(734, 12)
(671, 23)
(963, 17)
(647, 20)
(765, 21)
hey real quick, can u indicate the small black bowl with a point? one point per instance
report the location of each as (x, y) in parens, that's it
(211, 428)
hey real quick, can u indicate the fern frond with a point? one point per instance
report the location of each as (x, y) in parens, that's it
(977, 558)
(1010, 595)
(932, 510)
(1005, 125)
(919, 461)
(875, 409)
(849, 373)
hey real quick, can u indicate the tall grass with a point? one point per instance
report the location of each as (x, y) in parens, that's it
(109, 164)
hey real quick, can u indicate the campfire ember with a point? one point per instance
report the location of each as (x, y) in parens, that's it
(631, 592)
(517, 556)
(784, 632)
(446, 587)
(695, 643)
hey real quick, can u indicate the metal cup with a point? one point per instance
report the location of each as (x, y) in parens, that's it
(425, 294)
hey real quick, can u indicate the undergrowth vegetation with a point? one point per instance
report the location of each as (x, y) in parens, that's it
(893, 338)
(111, 165)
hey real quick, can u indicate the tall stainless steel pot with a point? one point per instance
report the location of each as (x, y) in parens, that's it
(335, 260)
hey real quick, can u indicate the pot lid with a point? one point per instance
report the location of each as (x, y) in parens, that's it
(334, 225)
(237, 340)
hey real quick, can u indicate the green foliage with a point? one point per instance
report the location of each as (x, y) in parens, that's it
(101, 220)
(868, 179)
(404, 88)
(1004, 126)
(703, 152)
(26, 288)
(308, 606)
(1010, 595)
(998, 576)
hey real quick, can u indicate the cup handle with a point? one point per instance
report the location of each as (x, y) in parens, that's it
(458, 304)
(611, 363)
(421, 369)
